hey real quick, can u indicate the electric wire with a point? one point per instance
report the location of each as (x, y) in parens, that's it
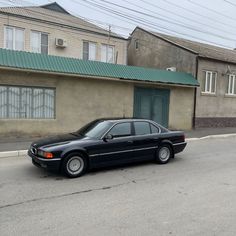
(212, 10)
(197, 13)
(184, 17)
(167, 30)
(151, 25)
(232, 4)
(180, 23)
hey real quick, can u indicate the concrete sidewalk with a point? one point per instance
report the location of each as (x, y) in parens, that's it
(22, 143)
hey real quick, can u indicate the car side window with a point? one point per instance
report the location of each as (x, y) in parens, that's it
(141, 128)
(154, 129)
(121, 130)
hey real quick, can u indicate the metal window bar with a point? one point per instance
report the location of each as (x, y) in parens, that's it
(26, 103)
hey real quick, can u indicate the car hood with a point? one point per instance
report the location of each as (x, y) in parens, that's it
(58, 140)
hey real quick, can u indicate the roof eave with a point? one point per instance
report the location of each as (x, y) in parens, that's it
(216, 59)
(99, 77)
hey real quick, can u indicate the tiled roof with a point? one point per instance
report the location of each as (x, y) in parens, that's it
(204, 50)
(54, 64)
(43, 14)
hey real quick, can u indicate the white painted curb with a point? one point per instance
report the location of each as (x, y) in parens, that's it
(212, 137)
(13, 153)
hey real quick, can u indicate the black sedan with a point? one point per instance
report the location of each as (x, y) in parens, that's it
(106, 142)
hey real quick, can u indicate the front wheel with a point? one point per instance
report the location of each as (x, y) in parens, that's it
(74, 165)
(164, 153)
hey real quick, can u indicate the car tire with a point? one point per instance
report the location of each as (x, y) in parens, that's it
(74, 165)
(164, 154)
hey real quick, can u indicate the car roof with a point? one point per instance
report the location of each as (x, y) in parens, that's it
(123, 119)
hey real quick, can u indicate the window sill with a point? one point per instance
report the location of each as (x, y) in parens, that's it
(230, 95)
(208, 94)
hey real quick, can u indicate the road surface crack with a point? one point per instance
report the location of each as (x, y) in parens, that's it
(66, 194)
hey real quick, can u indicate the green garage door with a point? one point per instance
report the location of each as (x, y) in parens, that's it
(152, 104)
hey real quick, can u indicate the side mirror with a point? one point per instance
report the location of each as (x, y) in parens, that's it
(108, 137)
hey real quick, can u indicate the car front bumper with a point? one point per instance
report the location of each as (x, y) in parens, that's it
(51, 164)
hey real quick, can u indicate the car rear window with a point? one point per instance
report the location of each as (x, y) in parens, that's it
(142, 128)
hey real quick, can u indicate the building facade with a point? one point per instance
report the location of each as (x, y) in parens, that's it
(51, 30)
(43, 94)
(214, 68)
(58, 72)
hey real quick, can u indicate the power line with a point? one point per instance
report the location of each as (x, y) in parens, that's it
(128, 20)
(74, 14)
(209, 9)
(166, 20)
(184, 17)
(151, 25)
(129, 17)
(93, 27)
(197, 14)
(180, 23)
(69, 32)
(233, 4)
(101, 22)
(155, 17)
(168, 46)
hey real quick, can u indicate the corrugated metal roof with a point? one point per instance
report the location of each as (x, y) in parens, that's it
(65, 65)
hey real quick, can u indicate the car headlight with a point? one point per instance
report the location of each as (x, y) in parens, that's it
(47, 155)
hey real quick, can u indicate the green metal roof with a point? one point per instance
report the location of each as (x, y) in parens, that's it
(65, 65)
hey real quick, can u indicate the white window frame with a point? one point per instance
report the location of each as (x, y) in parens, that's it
(89, 46)
(107, 46)
(14, 36)
(210, 91)
(40, 33)
(230, 90)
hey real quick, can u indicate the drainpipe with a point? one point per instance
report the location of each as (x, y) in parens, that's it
(195, 97)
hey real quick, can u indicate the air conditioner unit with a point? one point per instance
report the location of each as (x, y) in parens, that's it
(171, 69)
(60, 43)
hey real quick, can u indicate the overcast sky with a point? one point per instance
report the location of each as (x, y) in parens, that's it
(209, 21)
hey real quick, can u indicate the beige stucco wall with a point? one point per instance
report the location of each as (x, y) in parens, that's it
(74, 38)
(219, 104)
(78, 101)
(181, 108)
(157, 53)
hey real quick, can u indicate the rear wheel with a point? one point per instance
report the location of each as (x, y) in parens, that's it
(74, 165)
(164, 153)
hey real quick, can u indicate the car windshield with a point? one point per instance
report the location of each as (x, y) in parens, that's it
(94, 129)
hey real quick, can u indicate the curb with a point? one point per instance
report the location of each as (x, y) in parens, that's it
(24, 152)
(212, 137)
(13, 153)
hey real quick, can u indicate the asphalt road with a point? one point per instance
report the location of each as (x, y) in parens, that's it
(195, 194)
